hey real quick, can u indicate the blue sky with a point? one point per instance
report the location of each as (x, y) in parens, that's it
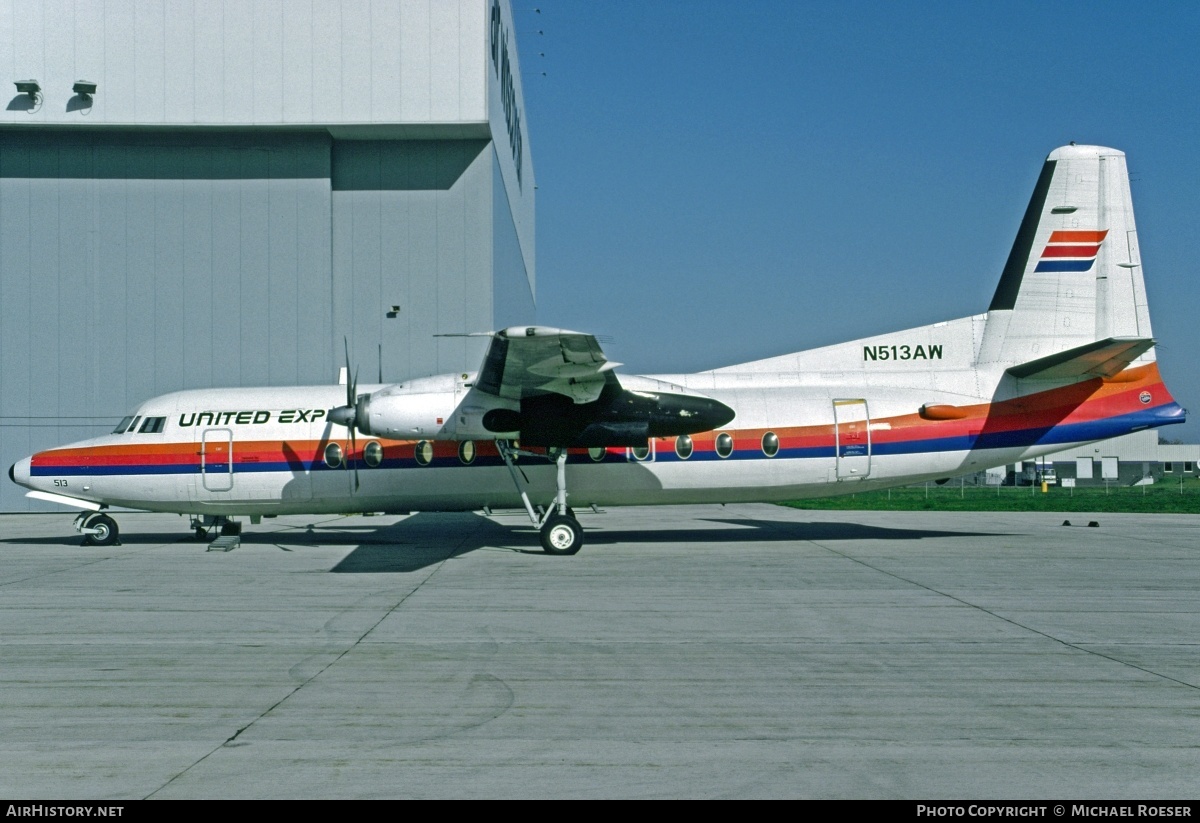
(719, 182)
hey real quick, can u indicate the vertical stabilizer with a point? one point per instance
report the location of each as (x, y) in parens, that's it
(1074, 274)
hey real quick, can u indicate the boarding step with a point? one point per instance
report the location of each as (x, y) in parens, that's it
(225, 543)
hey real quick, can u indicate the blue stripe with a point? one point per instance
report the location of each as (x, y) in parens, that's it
(1064, 265)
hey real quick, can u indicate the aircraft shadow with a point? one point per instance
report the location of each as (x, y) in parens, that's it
(425, 539)
(768, 531)
(428, 538)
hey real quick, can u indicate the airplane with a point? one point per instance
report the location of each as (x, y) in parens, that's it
(1062, 357)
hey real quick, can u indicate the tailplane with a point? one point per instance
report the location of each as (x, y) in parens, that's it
(1071, 300)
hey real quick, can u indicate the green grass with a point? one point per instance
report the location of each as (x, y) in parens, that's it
(1163, 497)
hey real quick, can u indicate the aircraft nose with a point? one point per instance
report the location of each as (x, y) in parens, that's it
(19, 472)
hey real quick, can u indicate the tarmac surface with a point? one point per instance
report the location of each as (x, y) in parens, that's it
(740, 651)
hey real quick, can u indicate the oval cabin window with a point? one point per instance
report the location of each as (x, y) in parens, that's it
(724, 444)
(770, 444)
(683, 446)
(466, 452)
(373, 454)
(333, 455)
(423, 452)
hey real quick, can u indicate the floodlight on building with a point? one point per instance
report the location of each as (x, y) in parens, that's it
(30, 87)
(84, 88)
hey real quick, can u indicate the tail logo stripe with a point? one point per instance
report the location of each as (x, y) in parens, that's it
(1096, 237)
(1071, 251)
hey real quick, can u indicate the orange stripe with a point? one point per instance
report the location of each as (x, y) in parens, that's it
(1078, 236)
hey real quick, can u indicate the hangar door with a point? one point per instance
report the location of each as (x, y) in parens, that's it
(852, 439)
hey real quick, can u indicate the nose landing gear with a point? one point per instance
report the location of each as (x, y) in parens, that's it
(98, 529)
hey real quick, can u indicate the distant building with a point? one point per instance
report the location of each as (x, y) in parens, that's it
(214, 194)
(1129, 460)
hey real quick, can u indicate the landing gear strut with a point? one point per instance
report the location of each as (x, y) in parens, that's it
(560, 531)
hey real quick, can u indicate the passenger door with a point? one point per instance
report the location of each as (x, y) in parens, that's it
(852, 438)
(216, 459)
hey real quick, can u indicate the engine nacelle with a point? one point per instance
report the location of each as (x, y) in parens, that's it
(446, 407)
(415, 408)
(431, 408)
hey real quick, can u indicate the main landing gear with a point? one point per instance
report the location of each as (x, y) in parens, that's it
(560, 531)
(98, 529)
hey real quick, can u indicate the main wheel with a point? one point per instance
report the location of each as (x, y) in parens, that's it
(562, 535)
(106, 530)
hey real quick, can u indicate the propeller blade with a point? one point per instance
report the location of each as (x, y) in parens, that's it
(353, 383)
(351, 399)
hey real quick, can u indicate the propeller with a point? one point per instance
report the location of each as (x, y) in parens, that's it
(347, 415)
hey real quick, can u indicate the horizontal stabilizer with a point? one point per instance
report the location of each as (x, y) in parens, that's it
(1103, 358)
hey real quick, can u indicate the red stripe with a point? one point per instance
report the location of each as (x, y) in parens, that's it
(1071, 251)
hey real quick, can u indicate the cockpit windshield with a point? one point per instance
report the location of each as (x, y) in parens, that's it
(150, 425)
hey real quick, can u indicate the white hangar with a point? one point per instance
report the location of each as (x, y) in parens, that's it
(215, 194)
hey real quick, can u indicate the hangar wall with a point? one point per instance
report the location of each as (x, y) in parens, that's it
(234, 202)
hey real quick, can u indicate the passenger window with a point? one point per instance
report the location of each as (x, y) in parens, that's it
(373, 454)
(466, 452)
(724, 444)
(423, 452)
(770, 444)
(683, 446)
(333, 455)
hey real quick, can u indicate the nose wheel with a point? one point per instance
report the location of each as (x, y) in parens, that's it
(97, 529)
(561, 534)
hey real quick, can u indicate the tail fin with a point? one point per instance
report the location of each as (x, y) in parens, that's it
(1074, 276)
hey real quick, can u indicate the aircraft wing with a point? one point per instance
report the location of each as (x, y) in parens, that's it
(527, 361)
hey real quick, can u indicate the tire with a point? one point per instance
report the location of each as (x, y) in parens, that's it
(561, 535)
(107, 530)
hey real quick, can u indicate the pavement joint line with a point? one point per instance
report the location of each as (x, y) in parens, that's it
(92, 561)
(1009, 620)
(434, 570)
